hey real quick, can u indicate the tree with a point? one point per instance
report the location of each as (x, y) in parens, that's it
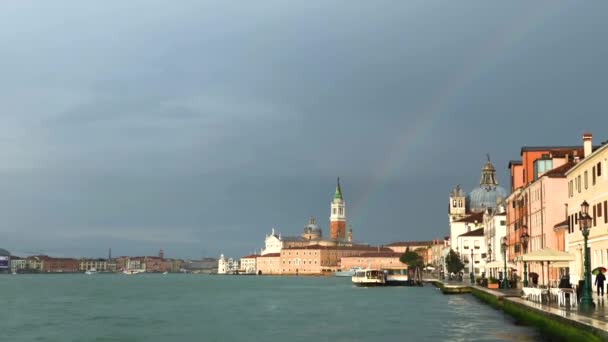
(411, 259)
(453, 262)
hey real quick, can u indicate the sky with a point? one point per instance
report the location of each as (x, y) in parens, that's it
(198, 126)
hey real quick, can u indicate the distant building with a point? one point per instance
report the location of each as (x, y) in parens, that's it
(18, 264)
(100, 265)
(227, 266)
(248, 264)
(5, 261)
(310, 260)
(383, 260)
(205, 265)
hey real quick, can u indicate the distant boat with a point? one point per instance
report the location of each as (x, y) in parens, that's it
(369, 277)
(349, 273)
(91, 271)
(132, 272)
(165, 272)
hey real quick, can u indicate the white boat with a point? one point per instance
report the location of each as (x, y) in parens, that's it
(165, 272)
(348, 273)
(91, 271)
(132, 272)
(397, 277)
(369, 277)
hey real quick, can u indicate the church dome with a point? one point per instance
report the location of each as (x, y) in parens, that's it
(311, 230)
(488, 194)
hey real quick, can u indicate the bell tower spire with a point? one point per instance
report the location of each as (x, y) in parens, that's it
(337, 218)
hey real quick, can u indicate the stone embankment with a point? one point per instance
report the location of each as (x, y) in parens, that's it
(556, 323)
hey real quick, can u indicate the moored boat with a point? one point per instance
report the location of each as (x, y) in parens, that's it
(369, 277)
(397, 277)
(91, 271)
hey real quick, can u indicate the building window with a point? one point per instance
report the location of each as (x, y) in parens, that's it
(503, 222)
(541, 166)
(605, 211)
(586, 180)
(578, 183)
(599, 210)
(599, 169)
(594, 215)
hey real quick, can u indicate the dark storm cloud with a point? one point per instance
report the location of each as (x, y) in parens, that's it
(197, 126)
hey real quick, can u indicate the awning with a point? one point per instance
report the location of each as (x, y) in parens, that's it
(546, 254)
(559, 264)
(499, 264)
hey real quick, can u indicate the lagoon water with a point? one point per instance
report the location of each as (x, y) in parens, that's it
(184, 307)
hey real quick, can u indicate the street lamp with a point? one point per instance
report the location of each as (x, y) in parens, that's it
(503, 249)
(525, 238)
(472, 275)
(584, 221)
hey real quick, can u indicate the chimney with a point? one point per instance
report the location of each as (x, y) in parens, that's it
(587, 144)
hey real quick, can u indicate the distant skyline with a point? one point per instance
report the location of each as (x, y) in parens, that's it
(198, 126)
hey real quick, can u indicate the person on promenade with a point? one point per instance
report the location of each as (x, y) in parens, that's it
(599, 282)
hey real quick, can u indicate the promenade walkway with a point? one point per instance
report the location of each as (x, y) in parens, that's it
(596, 319)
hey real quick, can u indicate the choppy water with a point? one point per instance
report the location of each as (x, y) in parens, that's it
(247, 308)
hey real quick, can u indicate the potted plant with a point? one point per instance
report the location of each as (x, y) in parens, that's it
(492, 283)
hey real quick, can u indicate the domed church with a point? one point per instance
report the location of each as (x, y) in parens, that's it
(487, 195)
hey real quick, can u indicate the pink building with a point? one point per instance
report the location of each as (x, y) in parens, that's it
(545, 200)
(384, 260)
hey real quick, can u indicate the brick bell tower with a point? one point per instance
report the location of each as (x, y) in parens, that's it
(337, 218)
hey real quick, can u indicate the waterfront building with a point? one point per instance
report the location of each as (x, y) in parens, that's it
(473, 251)
(402, 246)
(18, 263)
(382, 260)
(495, 228)
(101, 265)
(587, 181)
(248, 264)
(536, 203)
(268, 264)
(312, 234)
(60, 265)
(5, 261)
(227, 265)
(35, 262)
(205, 266)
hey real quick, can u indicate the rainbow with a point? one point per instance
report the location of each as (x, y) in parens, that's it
(414, 134)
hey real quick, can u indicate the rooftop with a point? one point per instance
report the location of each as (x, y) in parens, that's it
(560, 171)
(376, 255)
(411, 243)
(476, 232)
(475, 217)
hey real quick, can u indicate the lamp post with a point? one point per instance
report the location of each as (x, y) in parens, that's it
(584, 221)
(503, 249)
(472, 275)
(525, 238)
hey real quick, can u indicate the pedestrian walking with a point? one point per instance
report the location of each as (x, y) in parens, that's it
(599, 282)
